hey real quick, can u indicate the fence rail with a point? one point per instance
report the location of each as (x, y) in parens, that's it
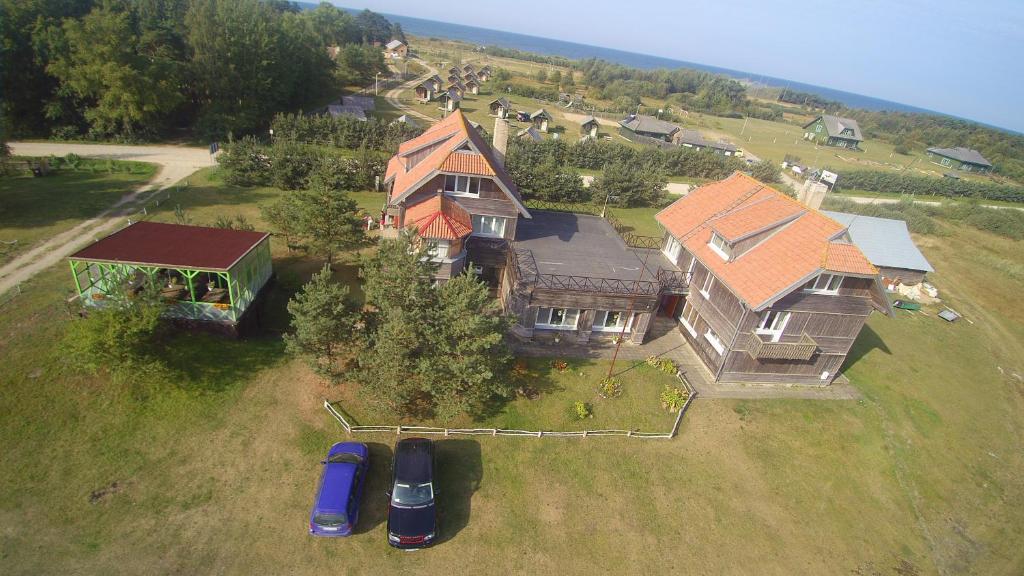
(399, 429)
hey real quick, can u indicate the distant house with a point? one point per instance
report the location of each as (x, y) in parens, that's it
(425, 91)
(589, 127)
(887, 245)
(966, 159)
(834, 131)
(541, 119)
(455, 71)
(458, 87)
(453, 78)
(694, 139)
(650, 127)
(450, 100)
(341, 110)
(396, 49)
(436, 81)
(529, 133)
(473, 86)
(483, 75)
(500, 107)
(469, 68)
(471, 76)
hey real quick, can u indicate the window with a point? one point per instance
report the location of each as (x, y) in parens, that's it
(611, 321)
(672, 249)
(557, 318)
(709, 281)
(817, 128)
(824, 284)
(438, 249)
(462, 185)
(493, 226)
(714, 340)
(772, 324)
(719, 245)
(688, 318)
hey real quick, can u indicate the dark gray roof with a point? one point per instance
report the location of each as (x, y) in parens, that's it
(886, 242)
(834, 125)
(394, 44)
(539, 113)
(588, 120)
(503, 102)
(450, 93)
(969, 155)
(364, 102)
(694, 138)
(649, 124)
(580, 245)
(531, 133)
(337, 110)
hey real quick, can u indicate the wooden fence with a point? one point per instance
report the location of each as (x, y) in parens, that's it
(399, 429)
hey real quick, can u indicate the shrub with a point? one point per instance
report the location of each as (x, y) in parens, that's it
(673, 398)
(581, 410)
(664, 364)
(560, 365)
(609, 387)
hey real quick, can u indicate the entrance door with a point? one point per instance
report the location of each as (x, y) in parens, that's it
(671, 305)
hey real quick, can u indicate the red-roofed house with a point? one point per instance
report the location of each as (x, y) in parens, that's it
(453, 187)
(778, 290)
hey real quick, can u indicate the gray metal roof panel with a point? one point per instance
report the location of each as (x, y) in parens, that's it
(885, 241)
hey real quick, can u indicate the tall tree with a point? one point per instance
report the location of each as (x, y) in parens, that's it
(324, 321)
(630, 184)
(326, 220)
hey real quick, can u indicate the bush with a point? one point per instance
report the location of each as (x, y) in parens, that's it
(901, 183)
(609, 387)
(673, 398)
(342, 131)
(581, 410)
(664, 364)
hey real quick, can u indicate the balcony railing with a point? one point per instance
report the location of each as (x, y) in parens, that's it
(674, 281)
(762, 349)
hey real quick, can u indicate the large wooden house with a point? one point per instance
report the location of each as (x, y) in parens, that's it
(960, 158)
(777, 290)
(834, 131)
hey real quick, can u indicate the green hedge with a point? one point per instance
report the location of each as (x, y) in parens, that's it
(342, 131)
(893, 183)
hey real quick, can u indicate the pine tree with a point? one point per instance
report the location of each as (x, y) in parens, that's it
(324, 323)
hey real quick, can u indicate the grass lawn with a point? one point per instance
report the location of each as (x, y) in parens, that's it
(212, 468)
(35, 209)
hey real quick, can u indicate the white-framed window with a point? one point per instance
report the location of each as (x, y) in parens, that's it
(709, 281)
(557, 318)
(689, 269)
(438, 249)
(611, 321)
(462, 185)
(719, 245)
(688, 318)
(817, 128)
(492, 226)
(714, 340)
(773, 323)
(824, 284)
(672, 249)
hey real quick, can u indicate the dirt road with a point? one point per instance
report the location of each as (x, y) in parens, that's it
(175, 162)
(392, 95)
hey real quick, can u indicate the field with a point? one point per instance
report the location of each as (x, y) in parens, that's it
(211, 468)
(34, 209)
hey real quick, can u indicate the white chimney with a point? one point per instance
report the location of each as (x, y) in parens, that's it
(499, 144)
(812, 193)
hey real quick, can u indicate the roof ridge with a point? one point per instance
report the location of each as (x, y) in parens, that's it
(746, 196)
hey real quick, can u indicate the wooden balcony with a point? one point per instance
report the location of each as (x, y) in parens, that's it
(762, 349)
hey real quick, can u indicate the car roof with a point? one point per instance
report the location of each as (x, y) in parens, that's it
(414, 460)
(339, 477)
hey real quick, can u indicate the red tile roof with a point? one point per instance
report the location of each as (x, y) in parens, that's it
(805, 242)
(173, 246)
(443, 141)
(439, 218)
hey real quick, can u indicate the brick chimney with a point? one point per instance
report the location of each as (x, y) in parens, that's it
(499, 144)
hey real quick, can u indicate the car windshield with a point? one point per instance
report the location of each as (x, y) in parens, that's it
(413, 494)
(329, 519)
(345, 458)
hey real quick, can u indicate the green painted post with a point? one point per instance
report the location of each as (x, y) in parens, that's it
(74, 272)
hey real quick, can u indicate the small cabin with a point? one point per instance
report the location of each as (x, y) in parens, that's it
(500, 107)
(395, 50)
(450, 100)
(459, 88)
(425, 91)
(453, 78)
(541, 119)
(473, 86)
(209, 278)
(589, 127)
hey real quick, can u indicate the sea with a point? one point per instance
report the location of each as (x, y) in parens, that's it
(573, 50)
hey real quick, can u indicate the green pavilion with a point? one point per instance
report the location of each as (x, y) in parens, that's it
(209, 277)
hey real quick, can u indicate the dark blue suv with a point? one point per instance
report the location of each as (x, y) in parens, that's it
(336, 508)
(412, 515)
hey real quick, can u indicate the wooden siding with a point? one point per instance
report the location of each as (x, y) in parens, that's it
(585, 301)
(740, 367)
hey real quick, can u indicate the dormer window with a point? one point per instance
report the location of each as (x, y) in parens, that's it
(719, 245)
(824, 284)
(462, 185)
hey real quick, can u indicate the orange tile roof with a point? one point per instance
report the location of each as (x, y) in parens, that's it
(443, 140)
(803, 246)
(439, 218)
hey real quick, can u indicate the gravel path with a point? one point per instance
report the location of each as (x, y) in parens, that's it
(392, 95)
(175, 162)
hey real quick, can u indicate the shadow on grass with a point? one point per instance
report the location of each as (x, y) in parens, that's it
(374, 508)
(866, 341)
(532, 378)
(459, 473)
(202, 362)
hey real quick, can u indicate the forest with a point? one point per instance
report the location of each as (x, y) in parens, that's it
(135, 70)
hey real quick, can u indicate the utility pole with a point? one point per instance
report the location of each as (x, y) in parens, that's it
(375, 77)
(629, 312)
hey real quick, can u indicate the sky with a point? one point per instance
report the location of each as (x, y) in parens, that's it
(964, 58)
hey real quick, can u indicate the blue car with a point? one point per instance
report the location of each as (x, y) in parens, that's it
(336, 508)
